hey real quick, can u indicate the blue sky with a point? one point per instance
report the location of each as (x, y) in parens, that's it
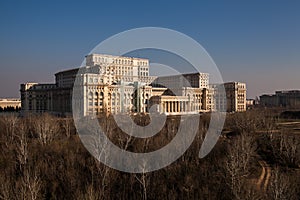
(257, 42)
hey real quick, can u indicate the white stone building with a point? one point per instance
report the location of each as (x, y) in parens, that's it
(114, 84)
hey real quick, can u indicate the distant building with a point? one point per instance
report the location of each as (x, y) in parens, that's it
(10, 103)
(290, 99)
(250, 103)
(114, 84)
(236, 94)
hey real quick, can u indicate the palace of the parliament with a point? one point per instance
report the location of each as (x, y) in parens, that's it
(114, 84)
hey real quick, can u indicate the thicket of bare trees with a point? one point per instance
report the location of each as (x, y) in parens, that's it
(281, 185)
(42, 157)
(285, 148)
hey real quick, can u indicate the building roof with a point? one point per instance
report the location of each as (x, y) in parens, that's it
(115, 56)
(67, 70)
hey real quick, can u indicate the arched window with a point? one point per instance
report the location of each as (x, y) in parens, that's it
(113, 99)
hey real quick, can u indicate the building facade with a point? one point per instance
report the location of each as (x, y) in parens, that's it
(236, 96)
(113, 84)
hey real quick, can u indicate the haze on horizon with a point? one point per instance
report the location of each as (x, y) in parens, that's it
(253, 42)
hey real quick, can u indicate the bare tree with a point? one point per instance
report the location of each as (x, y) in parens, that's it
(240, 152)
(142, 179)
(22, 145)
(67, 124)
(46, 128)
(98, 144)
(30, 185)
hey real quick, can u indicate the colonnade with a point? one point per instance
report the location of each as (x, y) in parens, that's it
(175, 106)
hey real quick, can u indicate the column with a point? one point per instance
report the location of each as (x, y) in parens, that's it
(180, 106)
(173, 106)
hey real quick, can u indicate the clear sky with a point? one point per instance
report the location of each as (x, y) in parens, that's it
(257, 42)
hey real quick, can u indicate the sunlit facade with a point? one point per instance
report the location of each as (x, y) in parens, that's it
(115, 84)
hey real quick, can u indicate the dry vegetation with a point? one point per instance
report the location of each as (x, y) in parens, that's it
(42, 157)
